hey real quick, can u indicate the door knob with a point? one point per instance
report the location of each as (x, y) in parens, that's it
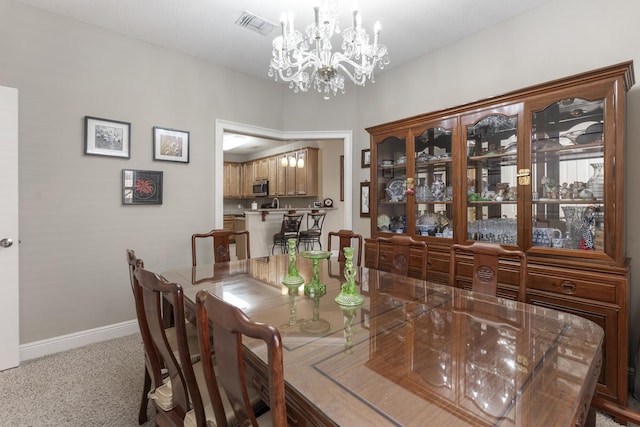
(5, 243)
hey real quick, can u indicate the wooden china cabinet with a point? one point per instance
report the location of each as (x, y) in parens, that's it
(540, 169)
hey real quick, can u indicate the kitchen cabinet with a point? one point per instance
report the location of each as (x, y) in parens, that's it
(232, 179)
(273, 176)
(248, 169)
(262, 169)
(283, 180)
(281, 175)
(539, 169)
(307, 175)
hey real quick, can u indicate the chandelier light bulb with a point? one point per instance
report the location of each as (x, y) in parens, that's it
(300, 163)
(284, 162)
(292, 162)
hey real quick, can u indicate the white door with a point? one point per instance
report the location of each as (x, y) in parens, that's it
(9, 329)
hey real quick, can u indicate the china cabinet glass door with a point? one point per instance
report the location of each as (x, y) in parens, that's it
(433, 179)
(391, 178)
(492, 149)
(568, 171)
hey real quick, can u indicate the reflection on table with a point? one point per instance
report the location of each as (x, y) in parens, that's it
(414, 351)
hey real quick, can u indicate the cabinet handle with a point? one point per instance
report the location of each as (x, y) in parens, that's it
(568, 287)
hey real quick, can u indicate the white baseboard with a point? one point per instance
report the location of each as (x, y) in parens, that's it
(77, 339)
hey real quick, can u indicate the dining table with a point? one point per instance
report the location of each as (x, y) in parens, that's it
(414, 353)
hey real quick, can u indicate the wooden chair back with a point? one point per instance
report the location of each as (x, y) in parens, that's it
(134, 263)
(227, 325)
(486, 261)
(221, 241)
(400, 255)
(183, 390)
(345, 238)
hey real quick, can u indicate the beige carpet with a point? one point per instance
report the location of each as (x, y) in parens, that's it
(95, 385)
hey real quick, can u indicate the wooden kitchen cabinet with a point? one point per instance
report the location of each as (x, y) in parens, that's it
(283, 181)
(248, 172)
(273, 176)
(232, 179)
(307, 176)
(539, 169)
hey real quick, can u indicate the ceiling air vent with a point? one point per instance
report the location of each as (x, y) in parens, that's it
(255, 23)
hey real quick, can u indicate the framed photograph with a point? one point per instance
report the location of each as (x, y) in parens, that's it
(104, 137)
(170, 145)
(141, 187)
(364, 199)
(365, 162)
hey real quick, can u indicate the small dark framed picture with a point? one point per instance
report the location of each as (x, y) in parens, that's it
(170, 145)
(104, 137)
(364, 199)
(141, 187)
(365, 162)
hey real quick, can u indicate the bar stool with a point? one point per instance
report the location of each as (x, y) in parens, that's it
(289, 229)
(311, 235)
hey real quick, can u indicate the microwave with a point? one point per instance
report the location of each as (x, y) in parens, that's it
(261, 187)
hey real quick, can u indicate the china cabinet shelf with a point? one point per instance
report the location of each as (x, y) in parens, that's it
(539, 169)
(491, 202)
(568, 202)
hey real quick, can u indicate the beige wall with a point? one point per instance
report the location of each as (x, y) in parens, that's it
(73, 229)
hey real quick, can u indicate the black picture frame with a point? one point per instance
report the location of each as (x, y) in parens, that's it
(364, 199)
(141, 187)
(170, 145)
(365, 161)
(104, 137)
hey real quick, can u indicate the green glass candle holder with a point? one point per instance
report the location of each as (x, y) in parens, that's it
(314, 287)
(349, 295)
(292, 278)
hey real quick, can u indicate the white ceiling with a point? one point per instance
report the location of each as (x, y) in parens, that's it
(206, 29)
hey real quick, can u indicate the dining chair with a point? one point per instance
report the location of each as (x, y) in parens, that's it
(227, 325)
(174, 384)
(289, 229)
(344, 241)
(221, 244)
(311, 236)
(134, 262)
(486, 261)
(395, 258)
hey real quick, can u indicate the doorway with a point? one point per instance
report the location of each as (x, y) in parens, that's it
(223, 126)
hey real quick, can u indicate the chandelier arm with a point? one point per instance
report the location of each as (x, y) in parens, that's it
(338, 60)
(297, 67)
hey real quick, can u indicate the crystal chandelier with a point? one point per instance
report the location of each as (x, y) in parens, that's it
(303, 60)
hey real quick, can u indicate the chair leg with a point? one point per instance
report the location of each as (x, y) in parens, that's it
(142, 414)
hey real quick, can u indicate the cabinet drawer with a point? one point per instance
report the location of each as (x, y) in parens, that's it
(574, 286)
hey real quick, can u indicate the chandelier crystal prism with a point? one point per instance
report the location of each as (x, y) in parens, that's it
(308, 59)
